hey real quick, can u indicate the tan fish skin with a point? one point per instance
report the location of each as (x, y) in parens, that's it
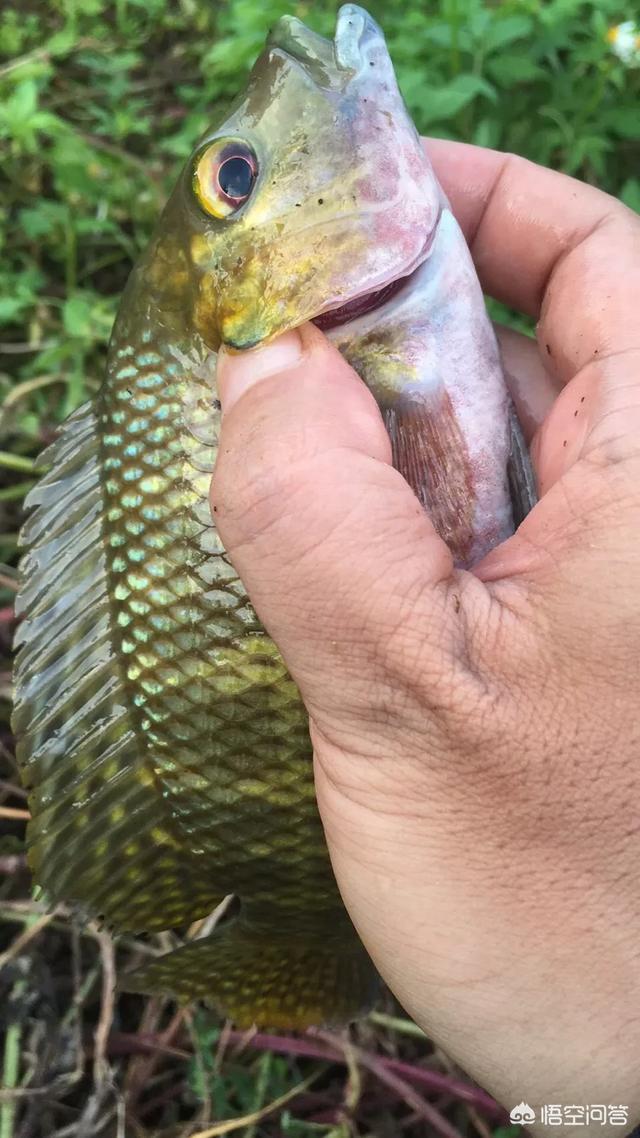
(164, 745)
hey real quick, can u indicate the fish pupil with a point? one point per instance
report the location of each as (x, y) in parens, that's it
(235, 177)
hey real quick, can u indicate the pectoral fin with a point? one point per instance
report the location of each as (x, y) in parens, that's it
(429, 450)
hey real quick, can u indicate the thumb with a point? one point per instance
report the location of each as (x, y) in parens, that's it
(331, 543)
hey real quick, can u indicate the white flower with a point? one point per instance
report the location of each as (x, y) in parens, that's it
(625, 42)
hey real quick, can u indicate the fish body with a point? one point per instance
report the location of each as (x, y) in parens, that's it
(164, 745)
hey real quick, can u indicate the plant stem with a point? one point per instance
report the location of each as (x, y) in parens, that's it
(17, 462)
(11, 1068)
(395, 1023)
(14, 493)
(11, 1061)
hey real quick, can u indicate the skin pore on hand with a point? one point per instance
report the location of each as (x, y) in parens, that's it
(476, 738)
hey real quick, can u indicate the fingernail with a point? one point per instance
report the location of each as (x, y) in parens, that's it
(238, 371)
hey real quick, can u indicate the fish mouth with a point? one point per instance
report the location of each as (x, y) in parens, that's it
(356, 42)
(364, 302)
(359, 305)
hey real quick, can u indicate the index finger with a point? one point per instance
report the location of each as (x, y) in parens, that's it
(551, 246)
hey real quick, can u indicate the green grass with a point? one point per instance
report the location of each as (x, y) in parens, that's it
(99, 104)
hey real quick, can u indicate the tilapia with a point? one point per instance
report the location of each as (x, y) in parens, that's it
(164, 745)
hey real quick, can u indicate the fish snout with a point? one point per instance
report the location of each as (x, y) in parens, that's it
(358, 41)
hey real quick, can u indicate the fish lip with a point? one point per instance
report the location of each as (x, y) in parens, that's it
(385, 290)
(356, 34)
(291, 36)
(356, 31)
(243, 345)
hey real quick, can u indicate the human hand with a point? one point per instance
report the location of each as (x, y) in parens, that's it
(476, 734)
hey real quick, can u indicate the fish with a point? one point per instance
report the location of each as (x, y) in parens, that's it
(164, 745)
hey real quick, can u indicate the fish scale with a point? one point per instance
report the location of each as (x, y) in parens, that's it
(89, 791)
(196, 659)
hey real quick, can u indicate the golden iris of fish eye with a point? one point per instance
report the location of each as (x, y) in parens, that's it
(205, 175)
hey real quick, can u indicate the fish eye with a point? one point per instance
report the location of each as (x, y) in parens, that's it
(224, 175)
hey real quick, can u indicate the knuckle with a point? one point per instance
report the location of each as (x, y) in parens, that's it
(430, 652)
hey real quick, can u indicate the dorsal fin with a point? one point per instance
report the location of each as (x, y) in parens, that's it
(522, 480)
(101, 833)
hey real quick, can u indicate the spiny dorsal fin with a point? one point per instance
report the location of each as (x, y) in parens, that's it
(101, 834)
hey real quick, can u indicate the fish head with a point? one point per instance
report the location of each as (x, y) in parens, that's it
(312, 196)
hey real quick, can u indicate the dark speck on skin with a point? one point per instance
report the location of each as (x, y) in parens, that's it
(217, 404)
(575, 413)
(548, 347)
(456, 603)
(564, 443)
(582, 399)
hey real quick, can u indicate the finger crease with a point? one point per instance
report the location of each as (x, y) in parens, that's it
(572, 247)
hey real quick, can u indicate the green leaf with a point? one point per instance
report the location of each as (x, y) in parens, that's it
(46, 123)
(20, 295)
(21, 105)
(76, 316)
(439, 34)
(513, 69)
(43, 219)
(587, 148)
(234, 54)
(503, 31)
(630, 193)
(10, 307)
(61, 42)
(442, 103)
(487, 133)
(623, 121)
(79, 170)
